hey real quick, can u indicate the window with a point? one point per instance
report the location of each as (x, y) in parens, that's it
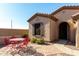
(38, 29)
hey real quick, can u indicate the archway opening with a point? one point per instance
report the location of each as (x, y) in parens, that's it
(64, 31)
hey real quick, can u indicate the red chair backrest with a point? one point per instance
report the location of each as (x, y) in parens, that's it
(26, 40)
(12, 37)
(6, 41)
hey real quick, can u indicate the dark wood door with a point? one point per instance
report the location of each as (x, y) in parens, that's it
(63, 31)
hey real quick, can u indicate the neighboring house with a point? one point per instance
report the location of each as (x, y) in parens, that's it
(61, 24)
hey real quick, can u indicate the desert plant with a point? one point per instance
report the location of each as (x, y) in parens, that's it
(25, 34)
(40, 41)
(33, 40)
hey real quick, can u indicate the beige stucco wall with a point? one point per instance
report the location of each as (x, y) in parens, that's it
(53, 30)
(77, 34)
(10, 32)
(65, 16)
(48, 32)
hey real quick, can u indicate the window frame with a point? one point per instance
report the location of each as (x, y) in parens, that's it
(41, 30)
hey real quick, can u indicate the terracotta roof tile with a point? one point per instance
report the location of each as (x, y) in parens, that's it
(65, 7)
(51, 15)
(43, 15)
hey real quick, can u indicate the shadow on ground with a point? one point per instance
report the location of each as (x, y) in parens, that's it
(2, 45)
(28, 51)
(46, 43)
(60, 54)
(64, 42)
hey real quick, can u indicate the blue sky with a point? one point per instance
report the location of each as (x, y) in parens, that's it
(21, 12)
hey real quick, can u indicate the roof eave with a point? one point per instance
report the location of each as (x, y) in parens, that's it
(65, 7)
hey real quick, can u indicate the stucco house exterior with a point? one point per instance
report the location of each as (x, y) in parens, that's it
(62, 24)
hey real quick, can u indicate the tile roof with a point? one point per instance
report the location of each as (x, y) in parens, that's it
(51, 16)
(43, 15)
(66, 7)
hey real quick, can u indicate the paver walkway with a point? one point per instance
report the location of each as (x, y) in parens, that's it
(66, 49)
(51, 49)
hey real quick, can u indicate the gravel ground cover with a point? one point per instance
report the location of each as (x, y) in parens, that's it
(33, 50)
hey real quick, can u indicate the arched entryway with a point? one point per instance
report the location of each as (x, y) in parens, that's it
(64, 30)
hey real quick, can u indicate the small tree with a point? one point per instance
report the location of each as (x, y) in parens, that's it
(25, 35)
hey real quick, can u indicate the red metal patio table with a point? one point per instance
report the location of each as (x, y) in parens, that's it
(16, 40)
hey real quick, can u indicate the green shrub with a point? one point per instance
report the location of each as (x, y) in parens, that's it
(25, 35)
(40, 41)
(33, 40)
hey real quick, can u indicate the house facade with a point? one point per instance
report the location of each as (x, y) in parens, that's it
(63, 24)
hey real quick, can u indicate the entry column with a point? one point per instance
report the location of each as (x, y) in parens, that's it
(77, 35)
(75, 18)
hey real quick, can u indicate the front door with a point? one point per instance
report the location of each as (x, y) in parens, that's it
(63, 31)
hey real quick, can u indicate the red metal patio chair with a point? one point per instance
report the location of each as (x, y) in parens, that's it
(24, 43)
(6, 41)
(13, 37)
